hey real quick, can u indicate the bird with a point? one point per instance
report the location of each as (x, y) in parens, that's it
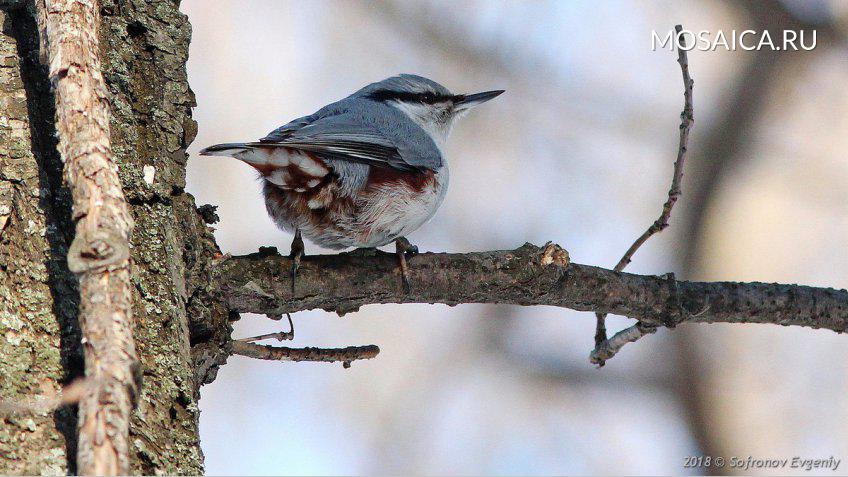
(361, 172)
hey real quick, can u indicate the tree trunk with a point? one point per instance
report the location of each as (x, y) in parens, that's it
(181, 332)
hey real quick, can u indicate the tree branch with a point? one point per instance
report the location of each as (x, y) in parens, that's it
(279, 336)
(687, 118)
(529, 275)
(99, 253)
(604, 350)
(608, 348)
(326, 355)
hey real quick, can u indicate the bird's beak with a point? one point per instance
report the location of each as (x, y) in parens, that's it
(468, 101)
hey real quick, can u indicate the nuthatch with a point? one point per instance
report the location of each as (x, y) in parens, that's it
(361, 172)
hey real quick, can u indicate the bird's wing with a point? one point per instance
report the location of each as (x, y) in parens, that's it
(287, 129)
(348, 136)
(342, 137)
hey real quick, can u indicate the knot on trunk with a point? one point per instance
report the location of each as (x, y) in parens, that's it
(98, 250)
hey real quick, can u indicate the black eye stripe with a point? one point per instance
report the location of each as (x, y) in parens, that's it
(427, 97)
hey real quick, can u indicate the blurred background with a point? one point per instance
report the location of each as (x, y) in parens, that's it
(579, 151)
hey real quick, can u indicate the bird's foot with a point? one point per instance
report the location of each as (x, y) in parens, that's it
(404, 250)
(296, 255)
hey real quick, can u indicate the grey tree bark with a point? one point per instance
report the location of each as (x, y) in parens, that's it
(181, 334)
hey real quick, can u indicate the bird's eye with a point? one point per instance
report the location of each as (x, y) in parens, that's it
(429, 97)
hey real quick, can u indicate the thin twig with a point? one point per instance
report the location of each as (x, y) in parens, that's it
(99, 255)
(327, 355)
(280, 336)
(686, 120)
(610, 347)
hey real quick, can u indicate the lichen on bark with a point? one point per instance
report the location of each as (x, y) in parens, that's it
(181, 332)
(145, 48)
(38, 299)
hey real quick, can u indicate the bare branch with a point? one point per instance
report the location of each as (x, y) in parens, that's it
(327, 355)
(99, 253)
(529, 275)
(609, 347)
(279, 336)
(687, 118)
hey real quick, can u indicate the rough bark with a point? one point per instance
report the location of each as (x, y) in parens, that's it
(528, 275)
(38, 295)
(145, 50)
(181, 334)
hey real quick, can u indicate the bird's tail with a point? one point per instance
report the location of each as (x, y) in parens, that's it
(230, 149)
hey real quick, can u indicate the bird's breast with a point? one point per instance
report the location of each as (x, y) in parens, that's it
(389, 204)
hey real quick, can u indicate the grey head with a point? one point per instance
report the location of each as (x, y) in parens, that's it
(432, 106)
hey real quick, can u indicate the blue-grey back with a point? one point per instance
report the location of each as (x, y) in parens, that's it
(370, 120)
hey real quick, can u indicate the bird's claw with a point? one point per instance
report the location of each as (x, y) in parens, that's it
(404, 249)
(296, 255)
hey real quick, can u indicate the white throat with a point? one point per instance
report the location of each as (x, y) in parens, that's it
(423, 116)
